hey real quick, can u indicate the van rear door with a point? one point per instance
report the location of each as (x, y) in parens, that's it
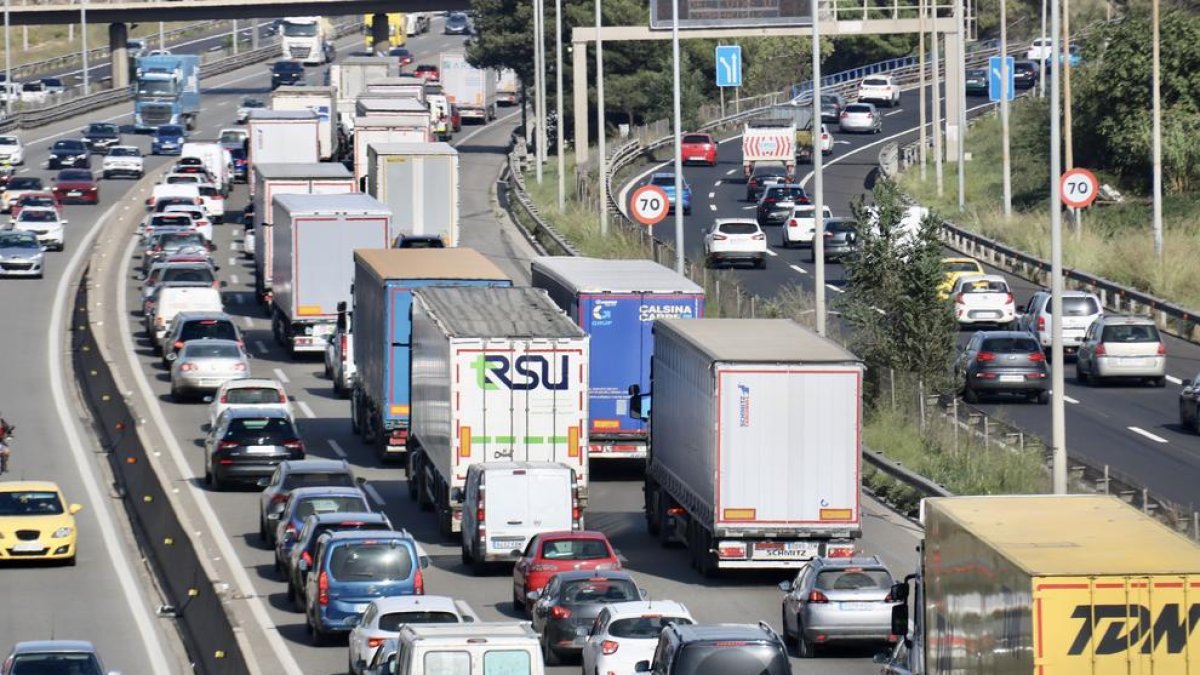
(522, 502)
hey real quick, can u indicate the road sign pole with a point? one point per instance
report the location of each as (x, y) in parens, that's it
(818, 175)
(938, 171)
(924, 103)
(960, 97)
(677, 111)
(1004, 132)
(601, 130)
(559, 122)
(1058, 430)
(1156, 135)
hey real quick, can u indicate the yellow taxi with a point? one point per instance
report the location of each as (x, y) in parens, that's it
(952, 269)
(36, 522)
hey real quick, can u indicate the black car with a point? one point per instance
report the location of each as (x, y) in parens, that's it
(841, 239)
(1003, 361)
(1025, 74)
(286, 73)
(729, 649)
(458, 24)
(100, 136)
(761, 176)
(291, 475)
(568, 604)
(246, 444)
(69, 153)
(778, 202)
(306, 543)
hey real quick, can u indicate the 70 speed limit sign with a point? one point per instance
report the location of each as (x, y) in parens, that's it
(649, 205)
(1078, 188)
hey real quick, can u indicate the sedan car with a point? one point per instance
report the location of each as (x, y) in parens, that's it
(202, 366)
(18, 187)
(76, 186)
(427, 72)
(162, 245)
(44, 223)
(1026, 74)
(123, 160)
(700, 149)
(402, 55)
(168, 139)
(838, 600)
(43, 199)
(831, 107)
(777, 203)
(249, 103)
(879, 89)
(200, 219)
(246, 444)
(762, 175)
(977, 82)
(21, 255)
(11, 149)
(841, 240)
(36, 522)
(549, 553)
(258, 392)
(76, 657)
(997, 362)
(290, 475)
(303, 502)
(801, 226)
(1122, 346)
(627, 632)
(188, 327)
(565, 609)
(100, 136)
(861, 118)
(457, 24)
(384, 617)
(69, 152)
(983, 299)
(732, 240)
(666, 181)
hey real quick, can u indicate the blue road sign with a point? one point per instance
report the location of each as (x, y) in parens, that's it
(994, 84)
(729, 66)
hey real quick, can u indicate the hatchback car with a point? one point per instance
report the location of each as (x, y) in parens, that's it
(777, 203)
(168, 139)
(258, 392)
(427, 72)
(166, 244)
(666, 181)
(764, 174)
(11, 150)
(977, 82)
(627, 632)
(1002, 362)
(75, 657)
(1122, 346)
(1026, 74)
(123, 160)
(457, 24)
(249, 103)
(76, 186)
(801, 226)
(178, 270)
(44, 223)
(286, 73)
(728, 649)
(310, 533)
(246, 444)
(844, 600)
(879, 89)
(18, 187)
(188, 327)
(549, 553)
(69, 152)
(861, 118)
(983, 299)
(1080, 309)
(402, 55)
(841, 240)
(46, 199)
(36, 522)
(303, 502)
(732, 240)
(699, 149)
(200, 220)
(292, 475)
(567, 607)
(202, 366)
(21, 255)
(384, 617)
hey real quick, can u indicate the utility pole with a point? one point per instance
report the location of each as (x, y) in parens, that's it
(922, 151)
(162, 35)
(539, 113)
(961, 123)
(1042, 61)
(602, 131)
(1156, 113)
(818, 174)
(1004, 131)
(678, 117)
(559, 123)
(1065, 62)
(87, 88)
(8, 81)
(937, 110)
(1058, 431)
(235, 36)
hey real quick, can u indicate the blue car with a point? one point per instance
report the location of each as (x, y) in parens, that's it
(666, 181)
(168, 140)
(307, 501)
(350, 570)
(241, 165)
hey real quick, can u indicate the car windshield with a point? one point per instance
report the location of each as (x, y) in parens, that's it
(977, 74)
(9, 140)
(68, 145)
(103, 129)
(256, 396)
(785, 193)
(74, 174)
(288, 67)
(37, 216)
(201, 350)
(731, 657)
(170, 130)
(52, 82)
(858, 108)
(122, 151)
(232, 137)
(1130, 333)
(875, 82)
(237, 153)
(191, 275)
(183, 179)
(853, 579)
(18, 240)
(1077, 306)
(594, 591)
(806, 211)
(574, 549)
(53, 663)
(1010, 345)
(371, 561)
(313, 506)
(208, 329)
(20, 183)
(30, 503)
(696, 138)
(643, 627)
(399, 51)
(317, 478)
(769, 171)
(261, 428)
(393, 621)
(960, 266)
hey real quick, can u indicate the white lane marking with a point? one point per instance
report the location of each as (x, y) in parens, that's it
(233, 279)
(1174, 380)
(374, 494)
(712, 207)
(337, 448)
(771, 253)
(122, 566)
(281, 376)
(1068, 399)
(834, 288)
(718, 183)
(485, 127)
(894, 112)
(260, 346)
(711, 195)
(730, 172)
(799, 269)
(1142, 432)
(306, 409)
(249, 323)
(750, 208)
(232, 260)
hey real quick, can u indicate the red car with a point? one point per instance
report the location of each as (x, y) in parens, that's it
(34, 199)
(427, 72)
(76, 186)
(552, 552)
(455, 119)
(402, 55)
(699, 148)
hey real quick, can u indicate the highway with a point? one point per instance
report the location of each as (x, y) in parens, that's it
(1132, 428)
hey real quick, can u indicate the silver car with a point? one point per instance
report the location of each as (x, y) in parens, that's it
(838, 600)
(202, 366)
(21, 255)
(861, 118)
(1122, 346)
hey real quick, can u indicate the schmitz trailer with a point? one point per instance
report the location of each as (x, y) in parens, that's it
(755, 443)
(349, 78)
(499, 374)
(616, 303)
(419, 181)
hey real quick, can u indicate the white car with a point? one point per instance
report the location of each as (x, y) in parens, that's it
(256, 392)
(879, 89)
(183, 179)
(735, 240)
(384, 617)
(199, 218)
(1039, 49)
(34, 92)
(627, 632)
(248, 243)
(213, 202)
(11, 150)
(983, 298)
(123, 160)
(44, 222)
(801, 227)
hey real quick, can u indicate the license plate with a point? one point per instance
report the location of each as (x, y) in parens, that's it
(74, 193)
(780, 549)
(260, 449)
(1012, 378)
(855, 606)
(31, 547)
(1133, 360)
(507, 543)
(323, 330)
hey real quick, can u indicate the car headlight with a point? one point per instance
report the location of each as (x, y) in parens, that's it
(62, 532)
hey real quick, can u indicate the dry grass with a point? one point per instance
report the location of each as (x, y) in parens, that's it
(49, 41)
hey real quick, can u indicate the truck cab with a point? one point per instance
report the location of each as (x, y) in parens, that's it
(168, 91)
(307, 39)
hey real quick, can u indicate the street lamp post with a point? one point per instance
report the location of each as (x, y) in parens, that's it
(87, 89)
(601, 128)
(539, 77)
(677, 111)
(1004, 141)
(558, 106)
(1156, 141)
(818, 242)
(1058, 431)
(8, 82)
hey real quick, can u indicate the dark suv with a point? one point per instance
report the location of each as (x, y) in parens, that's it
(729, 649)
(778, 202)
(286, 73)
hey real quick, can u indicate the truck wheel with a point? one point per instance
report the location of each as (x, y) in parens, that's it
(412, 476)
(355, 407)
(707, 563)
(653, 524)
(664, 531)
(446, 521)
(423, 501)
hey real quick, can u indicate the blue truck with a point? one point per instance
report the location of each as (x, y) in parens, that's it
(167, 91)
(616, 303)
(381, 332)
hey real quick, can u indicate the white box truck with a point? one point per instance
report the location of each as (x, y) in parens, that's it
(376, 130)
(271, 180)
(419, 182)
(283, 136)
(400, 107)
(498, 374)
(350, 75)
(217, 160)
(317, 99)
(314, 238)
(472, 89)
(755, 446)
(508, 87)
(403, 84)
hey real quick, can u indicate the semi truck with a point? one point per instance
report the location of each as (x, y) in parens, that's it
(755, 453)
(376, 130)
(472, 89)
(508, 87)
(283, 136)
(167, 91)
(1047, 585)
(319, 100)
(271, 180)
(400, 107)
(498, 374)
(384, 281)
(769, 139)
(616, 303)
(314, 238)
(419, 182)
(307, 39)
(349, 78)
(406, 85)
(397, 33)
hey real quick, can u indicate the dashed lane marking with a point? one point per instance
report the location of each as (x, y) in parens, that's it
(281, 376)
(1142, 432)
(306, 409)
(337, 448)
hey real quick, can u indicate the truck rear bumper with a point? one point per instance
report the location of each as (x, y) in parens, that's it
(617, 451)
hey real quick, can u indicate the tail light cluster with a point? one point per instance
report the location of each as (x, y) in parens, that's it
(609, 647)
(816, 597)
(419, 583)
(323, 589)
(559, 612)
(1037, 357)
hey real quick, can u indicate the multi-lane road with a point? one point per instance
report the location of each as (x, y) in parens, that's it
(1131, 428)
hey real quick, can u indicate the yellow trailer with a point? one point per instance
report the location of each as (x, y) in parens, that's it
(397, 30)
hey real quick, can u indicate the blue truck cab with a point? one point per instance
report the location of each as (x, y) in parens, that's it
(616, 302)
(384, 281)
(167, 91)
(168, 139)
(352, 568)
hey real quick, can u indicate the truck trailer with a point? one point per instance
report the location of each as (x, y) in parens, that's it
(616, 303)
(472, 89)
(314, 238)
(403, 84)
(377, 130)
(167, 91)
(381, 330)
(755, 451)
(419, 182)
(349, 78)
(319, 100)
(1047, 585)
(771, 139)
(498, 374)
(283, 136)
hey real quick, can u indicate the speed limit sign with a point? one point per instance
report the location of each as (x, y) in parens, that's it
(1078, 188)
(649, 205)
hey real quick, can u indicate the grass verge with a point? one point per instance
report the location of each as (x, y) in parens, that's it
(46, 42)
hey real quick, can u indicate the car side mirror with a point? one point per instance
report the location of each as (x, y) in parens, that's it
(532, 596)
(457, 495)
(641, 667)
(302, 565)
(644, 594)
(900, 620)
(263, 482)
(1187, 383)
(44, 248)
(74, 508)
(786, 586)
(208, 399)
(224, 284)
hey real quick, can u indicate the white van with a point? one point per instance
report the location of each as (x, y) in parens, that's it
(176, 299)
(161, 190)
(510, 648)
(216, 159)
(506, 503)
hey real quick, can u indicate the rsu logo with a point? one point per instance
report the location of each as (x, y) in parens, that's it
(524, 373)
(1119, 628)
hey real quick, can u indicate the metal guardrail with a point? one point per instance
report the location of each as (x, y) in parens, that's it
(543, 235)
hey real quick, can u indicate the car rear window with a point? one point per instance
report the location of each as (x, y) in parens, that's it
(785, 192)
(346, 526)
(319, 479)
(210, 351)
(258, 396)
(183, 179)
(171, 220)
(189, 274)
(667, 179)
(589, 591)
(853, 579)
(643, 627)
(696, 138)
(739, 228)
(271, 428)
(31, 216)
(857, 108)
(209, 191)
(840, 226)
(181, 239)
(330, 504)
(875, 82)
(574, 549)
(1011, 345)
(984, 286)
(392, 622)
(209, 329)
(1135, 333)
(55, 662)
(374, 561)
(1077, 306)
(732, 657)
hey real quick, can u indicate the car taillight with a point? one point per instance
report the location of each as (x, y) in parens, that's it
(793, 223)
(606, 566)
(817, 597)
(279, 498)
(419, 583)
(719, 237)
(240, 367)
(290, 529)
(609, 647)
(560, 613)
(343, 345)
(282, 397)
(307, 559)
(960, 299)
(1037, 357)
(179, 344)
(845, 114)
(759, 237)
(1100, 350)
(189, 367)
(1041, 323)
(374, 642)
(294, 444)
(1162, 349)
(323, 589)
(1008, 297)
(769, 200)
(985, 356)
(227, 445)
